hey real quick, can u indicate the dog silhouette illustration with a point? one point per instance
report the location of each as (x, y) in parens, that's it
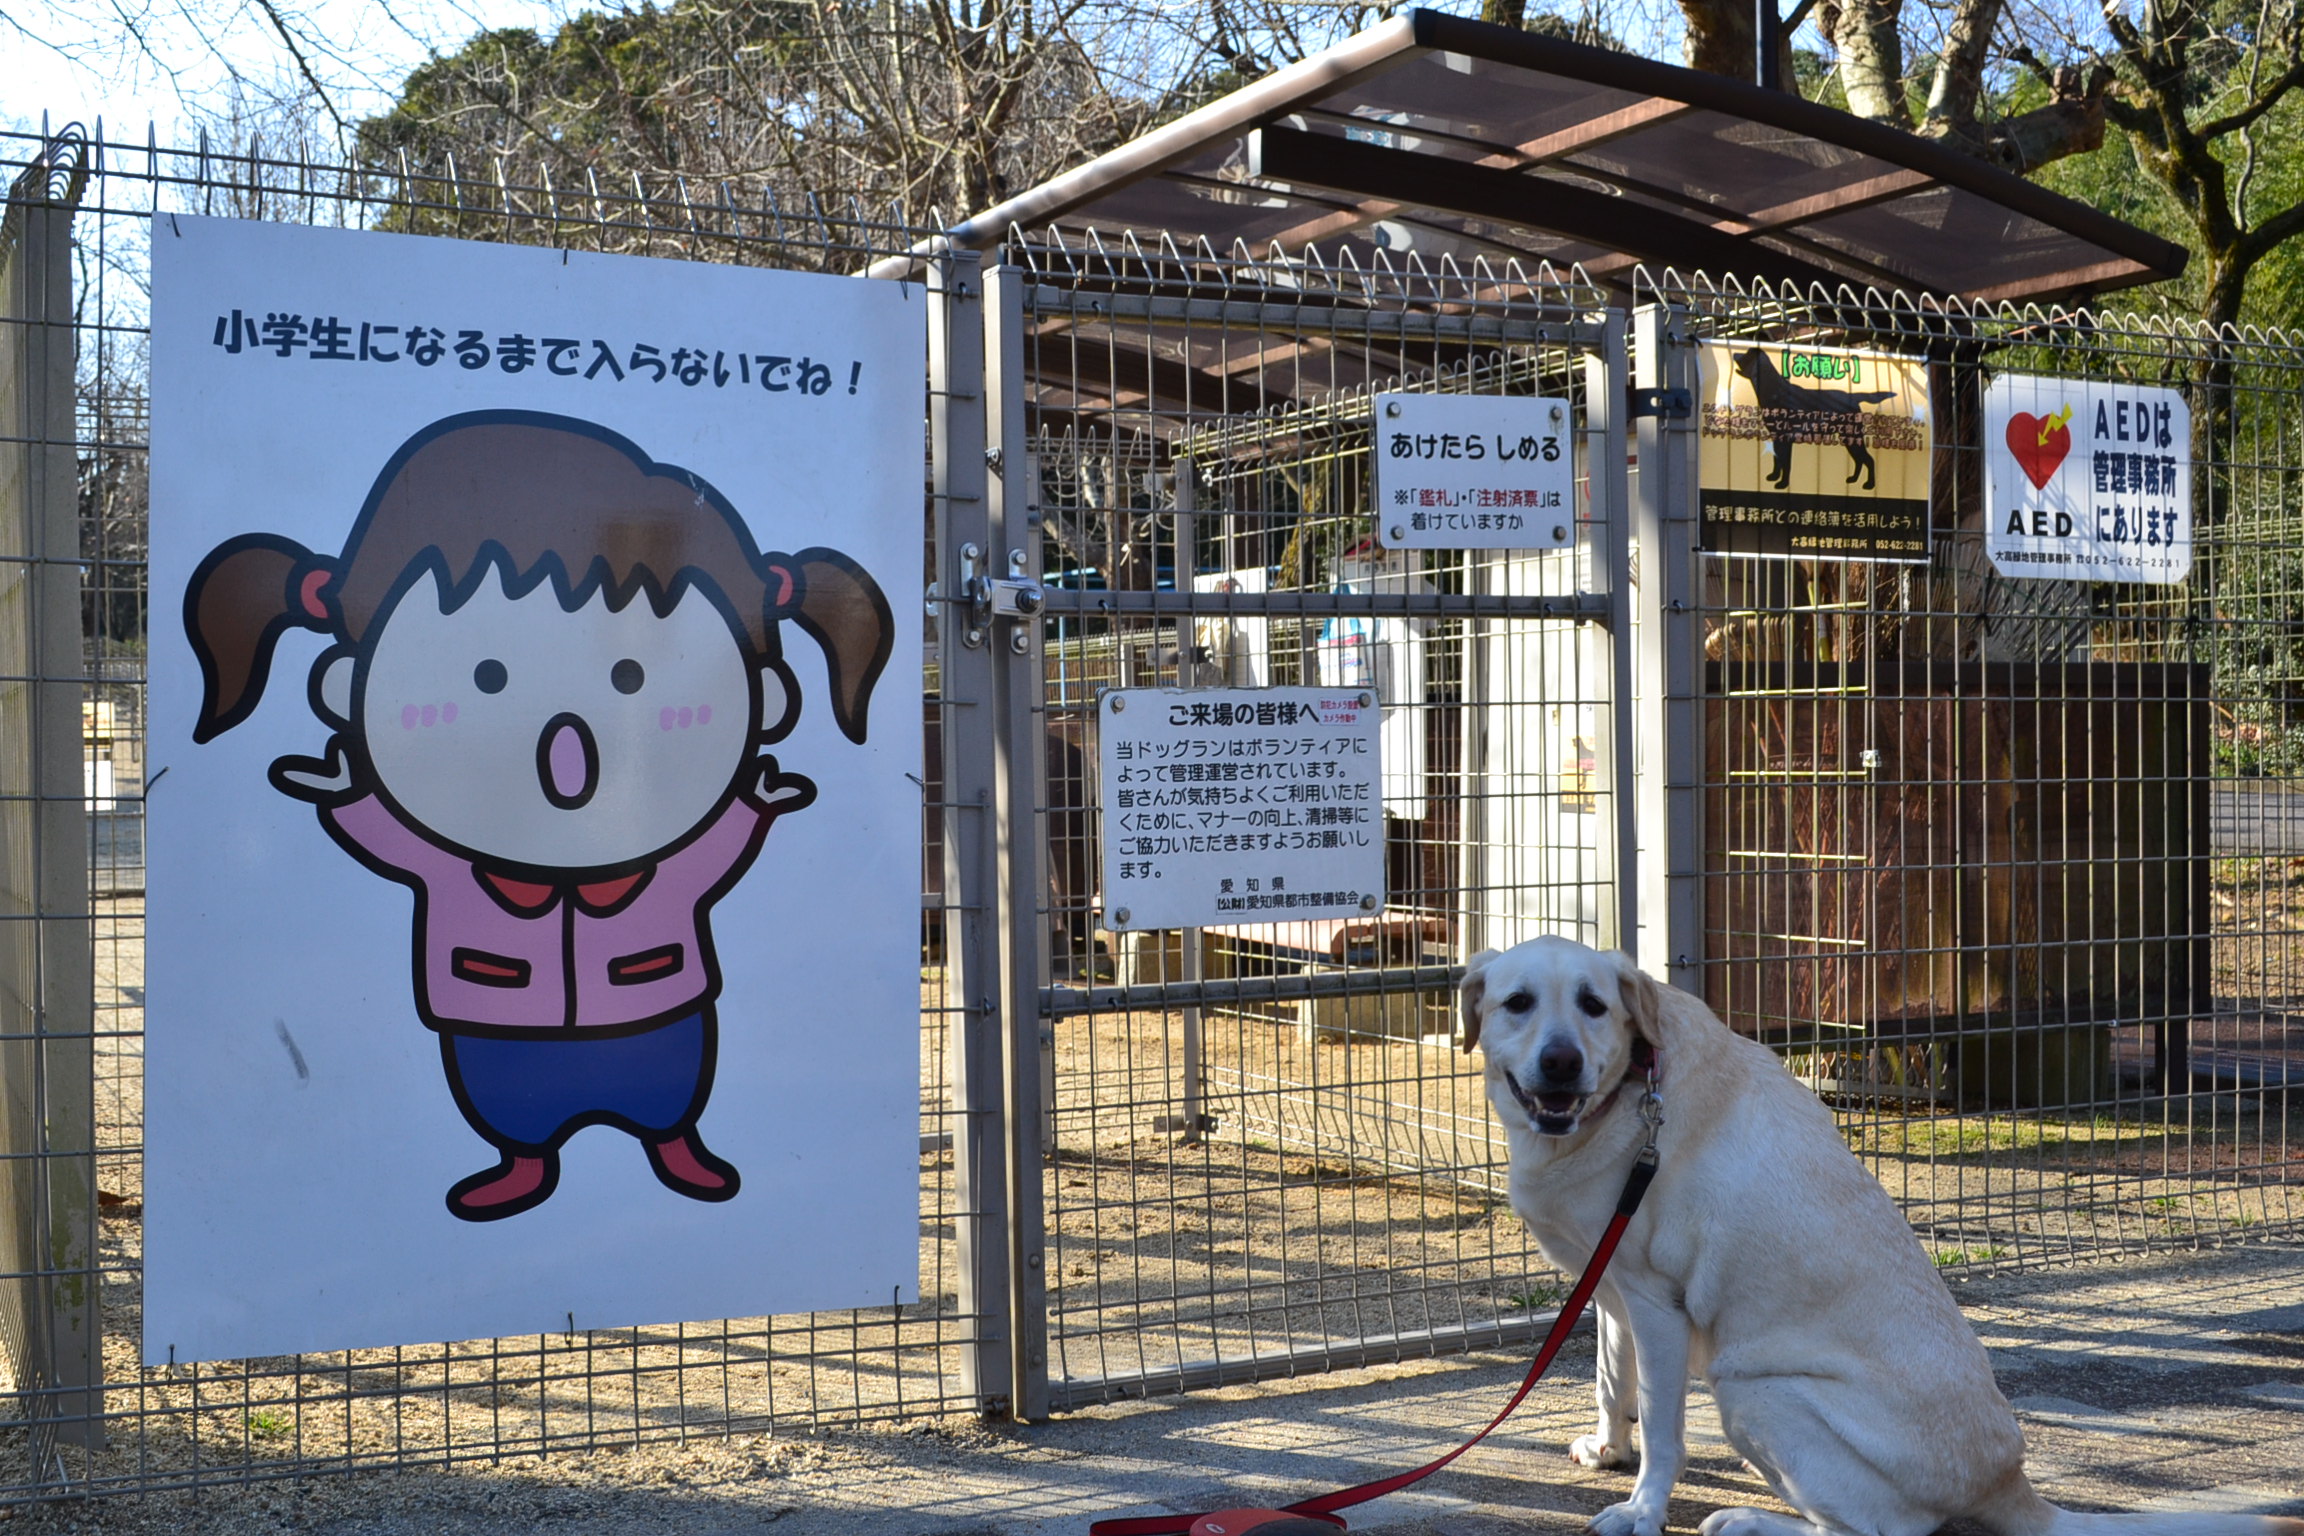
(1778, 396)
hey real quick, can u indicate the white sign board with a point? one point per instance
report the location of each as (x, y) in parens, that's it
(527, 624)
(1239, 805)
(2087, 481)
(1385, 656)
(1474, 472)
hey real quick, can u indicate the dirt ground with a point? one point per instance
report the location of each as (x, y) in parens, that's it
(1344, 1186)
(2173, 1383)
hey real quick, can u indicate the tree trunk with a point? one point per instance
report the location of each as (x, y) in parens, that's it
(1872, 60)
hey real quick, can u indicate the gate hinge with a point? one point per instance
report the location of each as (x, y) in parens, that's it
(1671, 404)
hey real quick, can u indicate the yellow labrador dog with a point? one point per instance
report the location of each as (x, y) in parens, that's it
(1765, 1257)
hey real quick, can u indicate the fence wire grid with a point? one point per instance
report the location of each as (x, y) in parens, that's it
(148, 1429)
(2006, 869)
(2009, 871)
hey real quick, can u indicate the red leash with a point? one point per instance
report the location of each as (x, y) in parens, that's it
(1319, 1514)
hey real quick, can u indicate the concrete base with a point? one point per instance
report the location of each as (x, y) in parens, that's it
(1419, 1016)
(1153, 956)
(2058, 1067)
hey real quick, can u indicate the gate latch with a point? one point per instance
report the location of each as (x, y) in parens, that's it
(1014, 596)
(1671, 404)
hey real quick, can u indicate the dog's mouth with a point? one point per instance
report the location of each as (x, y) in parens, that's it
(1552, 1113)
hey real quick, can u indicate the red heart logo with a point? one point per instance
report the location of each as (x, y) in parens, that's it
(2040, 444)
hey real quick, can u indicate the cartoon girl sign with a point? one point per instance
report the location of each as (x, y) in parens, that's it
(532, 833)
(555, 670)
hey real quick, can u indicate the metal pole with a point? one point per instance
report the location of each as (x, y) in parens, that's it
(1021, 759)
(1195, 956)
(1607, 383)
(50, 1110)
(973, 943)
(1767, 45)
(1670, 781)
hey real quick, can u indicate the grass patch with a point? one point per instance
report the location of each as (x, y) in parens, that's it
(1946, 1258)
(1539, 1298)
(1980, 1135)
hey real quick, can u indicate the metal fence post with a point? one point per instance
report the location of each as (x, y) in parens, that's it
(1670, 655)
(1020, 745)
(48, 1103)
(972, 830)
(1607, 395)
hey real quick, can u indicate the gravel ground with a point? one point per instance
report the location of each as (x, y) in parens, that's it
(2175, 1383)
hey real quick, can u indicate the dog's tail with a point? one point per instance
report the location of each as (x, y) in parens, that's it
(2020, 1511)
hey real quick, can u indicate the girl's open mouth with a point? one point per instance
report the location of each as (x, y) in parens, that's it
(567, 761)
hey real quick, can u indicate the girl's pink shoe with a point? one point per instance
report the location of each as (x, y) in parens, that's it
(682, 1164)
(516, 1184)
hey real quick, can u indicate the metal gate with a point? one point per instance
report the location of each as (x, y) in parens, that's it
(1251, 1150)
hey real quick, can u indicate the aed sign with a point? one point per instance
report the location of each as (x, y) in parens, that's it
(2087, 481)
(1474, 472)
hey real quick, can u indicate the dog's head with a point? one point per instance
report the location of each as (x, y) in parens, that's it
(1561, 1025)
(1752, 362)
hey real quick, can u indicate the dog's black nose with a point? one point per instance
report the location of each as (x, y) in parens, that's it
(1560, 1062)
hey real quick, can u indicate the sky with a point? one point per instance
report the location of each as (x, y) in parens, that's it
(167, 62)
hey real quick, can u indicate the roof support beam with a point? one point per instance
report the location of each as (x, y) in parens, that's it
(1537, 151)
(1510, 197)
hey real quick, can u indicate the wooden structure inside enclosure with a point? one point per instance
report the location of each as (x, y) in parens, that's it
(1967, 871)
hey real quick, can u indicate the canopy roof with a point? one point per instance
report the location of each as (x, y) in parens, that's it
(1439, 135)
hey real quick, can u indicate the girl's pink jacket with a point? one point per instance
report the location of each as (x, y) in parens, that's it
(498, 955)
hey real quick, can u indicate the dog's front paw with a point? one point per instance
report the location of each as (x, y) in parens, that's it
(1627, 1519)
(1592, 1451)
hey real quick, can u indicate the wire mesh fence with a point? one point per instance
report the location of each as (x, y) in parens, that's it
(435, 1403)
(2005, 868)
(2001, 864)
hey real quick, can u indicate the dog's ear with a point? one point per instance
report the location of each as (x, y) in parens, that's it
(1643, 998)
(1469, 994)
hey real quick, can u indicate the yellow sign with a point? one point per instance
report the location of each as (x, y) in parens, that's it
(1812, 453)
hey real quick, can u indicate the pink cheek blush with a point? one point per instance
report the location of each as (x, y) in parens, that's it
(703, 714)
(687, 717)
(431, 714)
(666, 718)
(408, 717)
(448, 714)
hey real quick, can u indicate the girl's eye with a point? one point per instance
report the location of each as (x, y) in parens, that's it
(490, 676)
(627, 676)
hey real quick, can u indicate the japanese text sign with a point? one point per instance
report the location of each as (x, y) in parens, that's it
(1474, 472)
(2087, 481)
(533, 803)
(1812, 453)
(1235, 805)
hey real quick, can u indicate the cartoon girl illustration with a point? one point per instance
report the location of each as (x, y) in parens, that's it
(555, 666)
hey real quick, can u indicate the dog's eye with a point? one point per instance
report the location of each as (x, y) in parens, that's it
(1518, 1002)
(1591, 1004)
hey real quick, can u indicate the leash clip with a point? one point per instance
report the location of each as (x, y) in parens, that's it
(1651, 1114)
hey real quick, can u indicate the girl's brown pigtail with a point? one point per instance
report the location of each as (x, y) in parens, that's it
(843, 609)
(242, 596)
